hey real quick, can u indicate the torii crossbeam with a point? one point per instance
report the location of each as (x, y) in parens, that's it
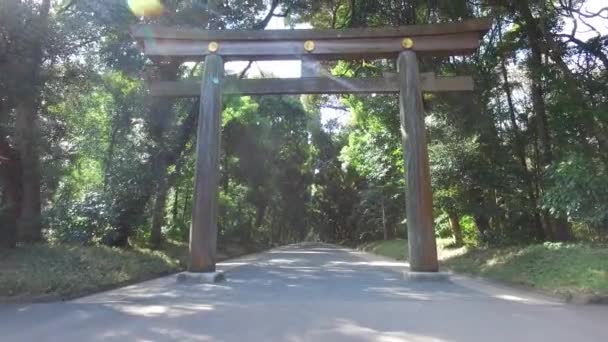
(401, 43)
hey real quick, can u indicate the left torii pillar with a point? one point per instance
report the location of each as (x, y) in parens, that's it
(203, 232)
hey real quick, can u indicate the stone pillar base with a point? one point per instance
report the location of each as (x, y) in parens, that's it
(200, 278)
(426, 276)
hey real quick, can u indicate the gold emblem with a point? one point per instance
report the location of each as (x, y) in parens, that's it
(213, 47)
(407, 43)
(309, 46)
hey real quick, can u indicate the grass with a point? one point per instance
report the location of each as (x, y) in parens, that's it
(563, 269)
(66, 271)
(396, 249)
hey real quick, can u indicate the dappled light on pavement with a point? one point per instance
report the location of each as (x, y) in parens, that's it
(307, 293)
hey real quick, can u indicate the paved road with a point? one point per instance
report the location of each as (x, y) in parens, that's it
(307, 293)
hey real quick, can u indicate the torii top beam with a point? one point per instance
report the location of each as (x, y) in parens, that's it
(457, 38)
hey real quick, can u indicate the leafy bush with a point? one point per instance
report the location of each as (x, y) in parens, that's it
(467, 225)
(469, 230)
(84, 222)
(442, 226)
(579, 191)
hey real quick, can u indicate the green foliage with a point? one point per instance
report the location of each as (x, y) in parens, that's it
(467, 224)
(442, 226)
(266, 176)
(578, 191)
(105, 143)
(469, 230)
(235, 210)
(86, 221)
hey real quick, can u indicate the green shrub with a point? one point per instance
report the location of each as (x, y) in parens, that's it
(83, 222)
(578, 190)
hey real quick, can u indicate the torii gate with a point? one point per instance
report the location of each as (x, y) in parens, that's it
(403, 43)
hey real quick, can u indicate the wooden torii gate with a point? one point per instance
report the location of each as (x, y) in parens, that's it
(403, 43)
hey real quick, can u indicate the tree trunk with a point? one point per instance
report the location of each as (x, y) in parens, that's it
(225, 173)
(110, 154)
(455, 226)
(161, 115)
(562, 231)
(520, 151)
(132, 209)
(26, 125)
(259, 215)
(158, 215)
(534, 35)
(272, 232)
(187, 199)
(175, 203)
(538, 97)
(483, 226)
(10, 178)
(384, 225)
(29, 223)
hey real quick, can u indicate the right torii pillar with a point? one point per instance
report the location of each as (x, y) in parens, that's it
(419, 199)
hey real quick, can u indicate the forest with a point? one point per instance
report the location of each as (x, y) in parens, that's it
(87, 157)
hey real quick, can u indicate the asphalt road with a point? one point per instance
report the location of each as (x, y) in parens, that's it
(307, 293)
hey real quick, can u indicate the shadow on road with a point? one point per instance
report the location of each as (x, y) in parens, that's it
(301, 293)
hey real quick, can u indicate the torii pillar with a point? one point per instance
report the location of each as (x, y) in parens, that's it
(404, 43)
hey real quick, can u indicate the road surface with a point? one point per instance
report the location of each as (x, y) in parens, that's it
(307, 293)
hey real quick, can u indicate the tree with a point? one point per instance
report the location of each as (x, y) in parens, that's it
(24, 75)
(89, 157)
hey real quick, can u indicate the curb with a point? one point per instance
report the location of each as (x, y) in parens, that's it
(426, 276)
(585, 299)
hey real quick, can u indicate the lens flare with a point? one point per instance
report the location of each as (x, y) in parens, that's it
(146, 8)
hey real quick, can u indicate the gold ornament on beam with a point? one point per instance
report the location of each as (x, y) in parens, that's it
(309, 46)
(407, 43)
(213, 47)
